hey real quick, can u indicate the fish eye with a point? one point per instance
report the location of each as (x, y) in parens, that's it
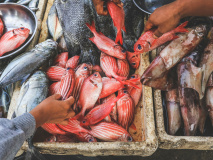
(125, 91)
(83, 121)
(95, 75)
(129, 139)
(22, 28)
(90, 140)
(85, 68)
(123, 50)
(133, 63)
(68, 68)
(139, 47)
(132, 76)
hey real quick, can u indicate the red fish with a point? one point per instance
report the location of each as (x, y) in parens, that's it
(109, 66)
(110, 132)
(105, 44)
(86, 137)
(97, 68)
(135, 93)
(147, 43)
(108, 119)
(126, 109)
(73, 127)
(61, 138)
(1, 28)
(53, 89)
(133, 59)
(80, 75)
(73, 62)
(100, 112)
(118, 17)
(55, 73)
(67, 84)
(113, 113)
(90, 92)
(61, 59)
(13, 39)
(123, 68)
(53, 129)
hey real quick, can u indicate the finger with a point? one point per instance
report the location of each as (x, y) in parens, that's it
(70, 100)
(70, 114)
(56, 96)
(157, 33)
(64, 122)
(148, 26)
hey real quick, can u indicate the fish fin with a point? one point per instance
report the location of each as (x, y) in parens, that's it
(124, 29)
(133, 126)
(92, 27)
(181, 28)
(92, 39)
(119, 38)
(101, 33)
(129, 83)
(175, 37)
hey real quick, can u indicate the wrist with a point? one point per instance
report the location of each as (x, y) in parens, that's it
(39, 116)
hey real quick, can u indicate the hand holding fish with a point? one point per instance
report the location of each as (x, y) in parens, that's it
(167, 17)
(99, 6)
(53, 110)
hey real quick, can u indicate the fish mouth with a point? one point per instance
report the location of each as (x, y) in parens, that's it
(144, 80)
(94, 84)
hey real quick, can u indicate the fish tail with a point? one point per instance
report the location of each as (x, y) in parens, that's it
(129, 83)
(119, 37)
(92, 27)
(181, 28)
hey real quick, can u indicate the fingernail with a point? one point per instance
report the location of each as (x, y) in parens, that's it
(155, 37)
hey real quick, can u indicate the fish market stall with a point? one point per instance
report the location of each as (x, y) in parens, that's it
(139, 129)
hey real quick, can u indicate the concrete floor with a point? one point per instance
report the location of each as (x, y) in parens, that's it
(158, 155)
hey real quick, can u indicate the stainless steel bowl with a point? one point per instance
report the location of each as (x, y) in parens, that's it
(148, 6)
(16, 16)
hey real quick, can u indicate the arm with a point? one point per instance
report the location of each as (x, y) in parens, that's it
(14, 132)
(167, 17)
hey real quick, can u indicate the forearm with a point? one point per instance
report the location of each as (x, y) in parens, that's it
(194, 7)
(13, 133)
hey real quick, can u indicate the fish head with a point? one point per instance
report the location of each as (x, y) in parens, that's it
(97, 68)
(86, 137)
(83, 70)
(135, 78)
(141, 46)
(134, 59)
(126, 137)
(51, 139)
(85, 121)
(96, 78)
(120, 52)
(22, 31)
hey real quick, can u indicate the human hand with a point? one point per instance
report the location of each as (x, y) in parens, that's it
(99, 6)
(164, 19)
(53, 110)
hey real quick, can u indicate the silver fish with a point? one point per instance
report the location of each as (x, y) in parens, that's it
(32, 93)
(23, 2)
(28, 62)
(53, 24)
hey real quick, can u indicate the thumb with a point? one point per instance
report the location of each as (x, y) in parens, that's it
(56, 96)
(157, 33)
(70, 100)
(71, 114)
(148, 26)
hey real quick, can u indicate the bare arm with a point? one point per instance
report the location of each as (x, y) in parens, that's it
(167, 17)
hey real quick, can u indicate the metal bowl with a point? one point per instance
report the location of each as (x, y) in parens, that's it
(16, 16)
(148, 6)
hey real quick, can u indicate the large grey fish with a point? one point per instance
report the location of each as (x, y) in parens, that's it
(23, 2)
(53, 24)
(73, 16)
(28, 62)
(32, 93)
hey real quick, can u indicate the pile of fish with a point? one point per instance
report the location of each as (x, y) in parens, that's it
(97, 77)
(32, 4)
(183, 71)
(13, 39)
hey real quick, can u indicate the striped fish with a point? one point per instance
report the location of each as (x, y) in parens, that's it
(61, 59)
(123, 68)
(53, 89)
(110, 132)
(73, 62)
(86, 137)
(1, 28)
(55, 73)
(53, 129)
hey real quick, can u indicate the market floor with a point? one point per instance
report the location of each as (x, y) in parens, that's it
(158, 155)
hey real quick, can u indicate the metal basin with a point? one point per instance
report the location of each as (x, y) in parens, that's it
(16, 16)
(148, 6)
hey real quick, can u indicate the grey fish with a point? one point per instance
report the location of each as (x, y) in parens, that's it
(12, 1)
(53, 24)
(32, 93)
(62, 45)
(28, 62)
(73, 16)
(33, 4)
(23, 2)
